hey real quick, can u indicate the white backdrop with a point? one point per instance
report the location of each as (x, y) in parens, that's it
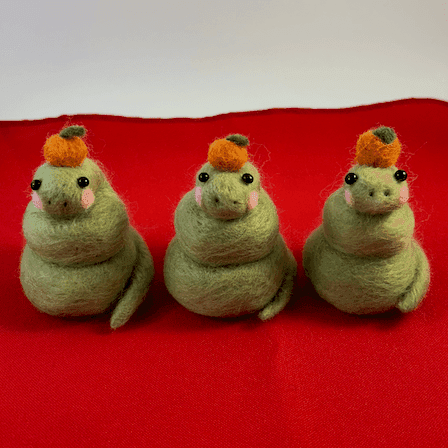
(197, 58)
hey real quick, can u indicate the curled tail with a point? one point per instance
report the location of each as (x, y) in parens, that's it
(417, 290)
(284, 292)
(138, 286)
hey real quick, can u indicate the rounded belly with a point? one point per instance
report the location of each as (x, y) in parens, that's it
(359, 285)
(229, 290)
(75, 290)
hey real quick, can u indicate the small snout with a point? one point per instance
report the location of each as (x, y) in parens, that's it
(226, 198)
(377, 199)
(59, 206)
(61, 203)
(219, 202)
(225, 207)
(380, 193)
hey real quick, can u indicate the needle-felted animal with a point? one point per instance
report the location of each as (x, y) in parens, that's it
(81, 255)
(363, 258)
(228, 257)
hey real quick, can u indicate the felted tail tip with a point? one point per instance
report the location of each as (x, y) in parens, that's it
(266, 314)
(406, 307)
(118, 321)
(276, 305)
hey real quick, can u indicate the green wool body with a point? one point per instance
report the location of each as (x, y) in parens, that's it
(363, 258)
(228, 257)
(81, 256)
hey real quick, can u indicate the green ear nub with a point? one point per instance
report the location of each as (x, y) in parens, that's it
(385, 134)
(73, 131)
(238, 139)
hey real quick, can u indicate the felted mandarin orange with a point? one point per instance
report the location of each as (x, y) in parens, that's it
(66, 148)
(378, 147)
(228, 154)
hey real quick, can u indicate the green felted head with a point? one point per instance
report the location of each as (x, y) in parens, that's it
(375, 190)
(227, 194)
(66, 191)
(369, 214)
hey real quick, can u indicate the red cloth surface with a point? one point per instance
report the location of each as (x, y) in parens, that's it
(311, 377)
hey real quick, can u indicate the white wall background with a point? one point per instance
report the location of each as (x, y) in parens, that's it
(194, 58)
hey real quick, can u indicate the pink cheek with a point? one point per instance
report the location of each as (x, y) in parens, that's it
(198, 195)
(404, 194)
(348, 197)
(253, 200)
(36, 200)
(87, 198)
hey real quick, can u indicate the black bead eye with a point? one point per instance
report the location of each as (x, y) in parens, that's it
(247, 178)
(400, 175)
(83, 182)
(351, 178)
(203, 177)
(35, 185)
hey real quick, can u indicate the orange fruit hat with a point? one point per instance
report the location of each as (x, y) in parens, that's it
(66, 148)
(378, 147)
(230, 153)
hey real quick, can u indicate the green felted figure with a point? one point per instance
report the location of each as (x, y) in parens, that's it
(228, 257)
(81, 255)
(363, 258)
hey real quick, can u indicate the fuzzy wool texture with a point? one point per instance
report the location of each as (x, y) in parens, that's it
(228, 154)
(238, 139)
(378, 147)
(385, 134)
(67, 149)
(363, 258)
(73, 131)
(228, 257)
(81, 256)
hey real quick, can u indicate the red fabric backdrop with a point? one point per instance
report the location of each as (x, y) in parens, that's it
(311, 377)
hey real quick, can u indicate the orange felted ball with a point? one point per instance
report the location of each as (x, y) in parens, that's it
(228, 154)
(66, 148)
(379, 148)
